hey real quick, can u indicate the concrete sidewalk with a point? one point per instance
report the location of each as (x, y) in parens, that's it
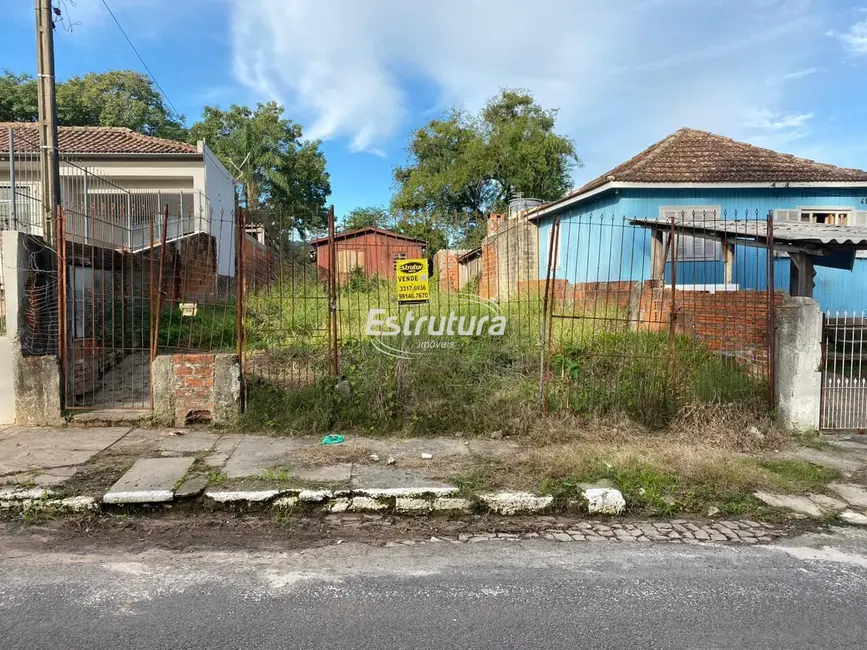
(71, 468)
(147, 466)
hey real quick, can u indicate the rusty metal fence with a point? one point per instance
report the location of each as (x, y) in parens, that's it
(593, 313)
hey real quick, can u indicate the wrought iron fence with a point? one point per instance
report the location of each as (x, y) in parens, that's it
(844, 372)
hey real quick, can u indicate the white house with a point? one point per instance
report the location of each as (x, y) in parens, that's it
(115, 182)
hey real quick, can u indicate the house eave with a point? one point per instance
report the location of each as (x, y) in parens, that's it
(562, 204)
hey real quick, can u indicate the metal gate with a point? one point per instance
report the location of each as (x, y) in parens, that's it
(844, 372)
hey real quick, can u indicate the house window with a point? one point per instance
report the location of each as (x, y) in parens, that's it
(25, 206)
(348, 260)
(827, 216)
(689, 248)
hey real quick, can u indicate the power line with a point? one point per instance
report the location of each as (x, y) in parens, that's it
(147, 69)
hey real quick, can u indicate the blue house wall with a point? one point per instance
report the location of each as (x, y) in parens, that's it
(598, 243)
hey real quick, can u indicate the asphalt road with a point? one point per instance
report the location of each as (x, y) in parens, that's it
(806, 593)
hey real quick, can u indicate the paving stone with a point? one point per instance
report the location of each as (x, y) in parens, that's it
(824, 501)
(578, 537)
(29, 449)
(606, 533)
(595, 538)
(642, 538)
(254, 455)
(746, 533)
(701, 535)
(562, 537)
(149, 480)
(328, 474)
(718, 537)
(191, 442)
(731, 525)
(674, 535)
(386, 477)
(798, 504)
(832, 460)
(680, 528)
(192, 487)
(854, 495)
(853, 517)
(749, 540)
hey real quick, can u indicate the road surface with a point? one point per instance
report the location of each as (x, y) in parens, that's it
(808, 592)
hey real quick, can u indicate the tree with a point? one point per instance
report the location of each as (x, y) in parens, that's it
(283, 179)
(463, 166)
(115, 98)
(359, 218)
(416, 225)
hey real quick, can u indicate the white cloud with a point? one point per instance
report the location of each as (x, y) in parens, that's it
(620, 75)
(854, 39)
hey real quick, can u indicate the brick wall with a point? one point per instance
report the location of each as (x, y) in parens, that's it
(194, 387)
(447, 268)
(510, 256)
(259, 263)
(89, 360)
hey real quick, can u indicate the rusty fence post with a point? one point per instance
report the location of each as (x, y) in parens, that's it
(241, 294)
(61, 301)
(544, 323)
(155, 339)
(672, 324)
(332, 297)
(772, 315)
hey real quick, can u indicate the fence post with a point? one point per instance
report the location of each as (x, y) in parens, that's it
(332, 294)
(799, 358)
(12, 191)
(772, 316)
(240, 308)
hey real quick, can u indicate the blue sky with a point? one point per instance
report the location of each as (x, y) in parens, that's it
(362, 74)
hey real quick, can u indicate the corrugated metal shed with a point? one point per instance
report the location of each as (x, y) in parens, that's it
(798, 235)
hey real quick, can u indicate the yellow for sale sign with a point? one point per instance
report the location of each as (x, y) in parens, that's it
(412, 282)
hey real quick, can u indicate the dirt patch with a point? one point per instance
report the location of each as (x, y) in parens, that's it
(99, 474)
(219, 531)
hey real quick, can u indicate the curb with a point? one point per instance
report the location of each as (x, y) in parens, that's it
(401, 501)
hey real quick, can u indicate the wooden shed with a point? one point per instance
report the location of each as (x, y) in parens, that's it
(373, 250)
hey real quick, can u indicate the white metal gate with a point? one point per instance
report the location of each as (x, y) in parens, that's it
(844, 372)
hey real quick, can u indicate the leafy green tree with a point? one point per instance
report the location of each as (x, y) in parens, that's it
(284, 182)
(115, 98)
(463, 166)
(18, 101)
(365, 217)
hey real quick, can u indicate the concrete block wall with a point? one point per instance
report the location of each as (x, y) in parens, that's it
(447, 268)
(799, 363)
(193, 388)
(510, 256)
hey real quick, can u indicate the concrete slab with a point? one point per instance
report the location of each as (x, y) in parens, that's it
(436, 447)
(192, 487)
(189, 442)
(837, 459)
(138, 442)
(255, 454)
(149, 480)
(854, 495)
(798, 504)
(374, 476)
(824, 501)
(55, 476)
(328, 474)
(27, 449)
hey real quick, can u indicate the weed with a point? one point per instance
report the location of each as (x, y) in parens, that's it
(279, 474)
(216, 477)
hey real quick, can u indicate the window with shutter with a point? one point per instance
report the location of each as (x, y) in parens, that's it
(694, 249)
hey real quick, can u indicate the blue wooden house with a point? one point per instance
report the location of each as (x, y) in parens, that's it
(695, 176)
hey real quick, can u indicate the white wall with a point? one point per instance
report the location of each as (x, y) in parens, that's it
(219, 187)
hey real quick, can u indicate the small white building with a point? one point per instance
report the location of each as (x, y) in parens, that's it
(115, 186)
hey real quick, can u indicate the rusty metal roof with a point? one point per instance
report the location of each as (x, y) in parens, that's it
(789, 233)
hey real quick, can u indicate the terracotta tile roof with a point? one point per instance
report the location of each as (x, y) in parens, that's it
(91, 140)
(692, 156)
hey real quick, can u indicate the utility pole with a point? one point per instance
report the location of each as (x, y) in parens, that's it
(49, 159)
